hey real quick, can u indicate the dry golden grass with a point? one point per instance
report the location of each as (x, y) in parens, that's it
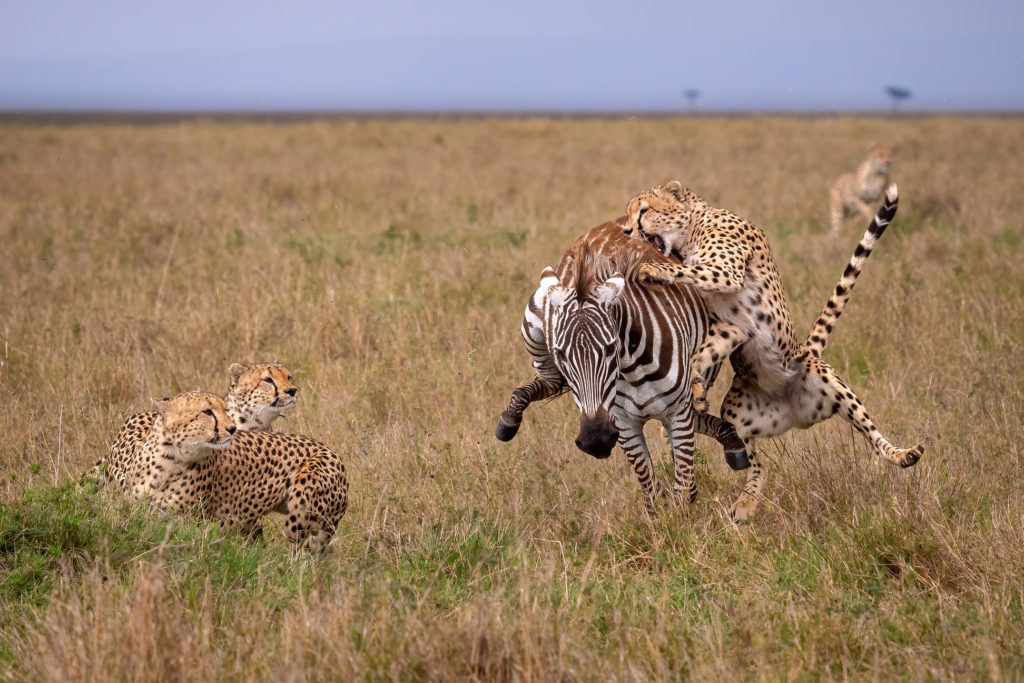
(387, 263)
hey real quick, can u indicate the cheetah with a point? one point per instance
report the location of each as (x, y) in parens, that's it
(778, 383)
(258, 395)
(194, 458)
(862, 190)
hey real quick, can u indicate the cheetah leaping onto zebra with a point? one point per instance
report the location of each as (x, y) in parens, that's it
(779, 383)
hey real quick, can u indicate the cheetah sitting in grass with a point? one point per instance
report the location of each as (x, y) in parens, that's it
(861, 191)
(259, 394)
(193, 458)
(779, 383)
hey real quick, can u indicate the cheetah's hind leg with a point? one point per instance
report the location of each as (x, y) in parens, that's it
(317, 500)
(826, 394)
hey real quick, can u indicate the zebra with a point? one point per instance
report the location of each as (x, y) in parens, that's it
(623, 351)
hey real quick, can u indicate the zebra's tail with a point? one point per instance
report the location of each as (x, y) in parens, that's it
(818, 338)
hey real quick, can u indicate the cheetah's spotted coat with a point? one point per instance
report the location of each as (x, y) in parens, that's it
(779, 383)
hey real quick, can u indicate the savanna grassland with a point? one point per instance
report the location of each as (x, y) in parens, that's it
(387, 263)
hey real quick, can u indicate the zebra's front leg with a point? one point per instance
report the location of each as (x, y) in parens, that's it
(680, 430)
(512, 417)
(634, 445)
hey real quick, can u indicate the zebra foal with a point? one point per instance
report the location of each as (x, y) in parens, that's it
(623, 351)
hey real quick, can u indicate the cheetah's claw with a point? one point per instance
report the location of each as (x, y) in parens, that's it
(911, 457)
(652, 275)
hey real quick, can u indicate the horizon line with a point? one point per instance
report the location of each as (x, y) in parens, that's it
(142, 115)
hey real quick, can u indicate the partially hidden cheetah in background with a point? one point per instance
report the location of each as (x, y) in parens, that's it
(194, 459)
(779, 383)
(258, 395)
(861, 191)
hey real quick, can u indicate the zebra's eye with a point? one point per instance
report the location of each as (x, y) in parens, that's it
(560, 356)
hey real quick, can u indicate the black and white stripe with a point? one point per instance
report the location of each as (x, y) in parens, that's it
(622, 349)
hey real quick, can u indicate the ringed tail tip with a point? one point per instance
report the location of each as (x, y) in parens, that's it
(892, 193)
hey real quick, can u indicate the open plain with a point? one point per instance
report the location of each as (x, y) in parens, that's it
(387, 263)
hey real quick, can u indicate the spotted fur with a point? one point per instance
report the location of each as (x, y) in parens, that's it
(259, 394)
(237, 481)
(778, 383)
(860, 192)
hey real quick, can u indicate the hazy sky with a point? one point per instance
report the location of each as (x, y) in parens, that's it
(451, 54)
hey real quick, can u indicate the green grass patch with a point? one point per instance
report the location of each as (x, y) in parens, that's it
(51, 535)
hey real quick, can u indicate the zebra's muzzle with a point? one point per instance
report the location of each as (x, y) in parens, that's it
(598, 434)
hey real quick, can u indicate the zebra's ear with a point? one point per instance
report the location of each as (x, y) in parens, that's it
(557, 296)
(548, 278)
(609, 291)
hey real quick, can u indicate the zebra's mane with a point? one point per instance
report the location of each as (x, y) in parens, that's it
(589, 266)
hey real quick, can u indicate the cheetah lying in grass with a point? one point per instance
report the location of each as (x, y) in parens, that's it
(183, 466)
(188, 455)
(779, 383)
(259, 394)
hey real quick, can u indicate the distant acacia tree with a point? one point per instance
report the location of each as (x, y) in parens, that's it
(691, 95)
(898, 94)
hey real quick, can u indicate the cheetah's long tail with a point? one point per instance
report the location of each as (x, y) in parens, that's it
(818, 338)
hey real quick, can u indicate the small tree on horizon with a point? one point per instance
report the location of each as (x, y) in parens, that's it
(898, 94)
(691, 95)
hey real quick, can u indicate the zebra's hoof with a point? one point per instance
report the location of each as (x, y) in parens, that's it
(737, 460)
(506, 431)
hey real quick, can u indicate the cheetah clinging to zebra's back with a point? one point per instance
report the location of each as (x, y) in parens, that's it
(779, 383)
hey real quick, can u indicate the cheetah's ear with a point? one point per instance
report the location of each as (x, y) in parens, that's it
(674, 188)
(160, 403)
(235, 371)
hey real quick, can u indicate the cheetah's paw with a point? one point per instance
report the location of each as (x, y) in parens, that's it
(908, 457)
(743, 509)
(653, 275)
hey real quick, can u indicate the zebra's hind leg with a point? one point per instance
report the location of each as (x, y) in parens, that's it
(634, 445)
(680, 431)
(724, 433)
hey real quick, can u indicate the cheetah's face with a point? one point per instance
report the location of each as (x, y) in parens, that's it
(880, 159)
(196, 420)
(659, 216)
(260, 393)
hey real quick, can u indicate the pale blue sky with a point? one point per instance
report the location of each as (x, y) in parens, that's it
(528, 55)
